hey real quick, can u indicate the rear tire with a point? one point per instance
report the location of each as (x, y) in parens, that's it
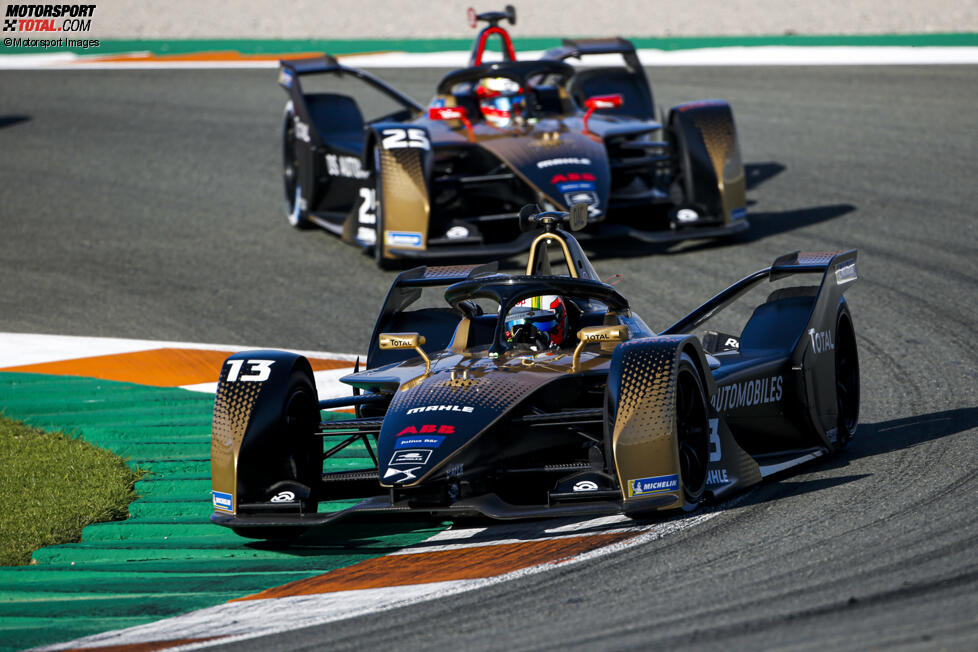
(692, 432)
(290, 172)
(846, 379)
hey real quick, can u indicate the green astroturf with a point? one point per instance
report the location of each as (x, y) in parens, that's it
(166, 558)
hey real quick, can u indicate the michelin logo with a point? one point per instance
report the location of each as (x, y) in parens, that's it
(223, 501)
(658, 485)
(404, 238)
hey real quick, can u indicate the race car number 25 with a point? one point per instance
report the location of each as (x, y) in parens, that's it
(254, 370)
(400, 138)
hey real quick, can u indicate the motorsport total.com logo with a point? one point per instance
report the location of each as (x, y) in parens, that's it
(48, 18)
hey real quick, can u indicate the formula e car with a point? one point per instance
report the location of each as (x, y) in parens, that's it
(501, 405)
(383, 172)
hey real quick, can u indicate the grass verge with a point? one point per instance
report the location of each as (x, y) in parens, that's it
(53, 485)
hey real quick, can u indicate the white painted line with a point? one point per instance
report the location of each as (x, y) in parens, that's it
(17, 349)
(27, 348)
(723, 56)
(35, 348)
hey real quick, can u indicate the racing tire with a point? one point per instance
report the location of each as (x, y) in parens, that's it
(291, 457)
(692, 432)
(846, 379)
(290, 172)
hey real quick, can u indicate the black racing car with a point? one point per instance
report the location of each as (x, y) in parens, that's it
(446, 180)
(542, 394)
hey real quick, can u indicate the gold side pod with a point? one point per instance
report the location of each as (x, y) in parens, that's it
(597, 334)
(398, 341)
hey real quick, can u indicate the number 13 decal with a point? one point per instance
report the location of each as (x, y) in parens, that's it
(256, 370)
(716, 453)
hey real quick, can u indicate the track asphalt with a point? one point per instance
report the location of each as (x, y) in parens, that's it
(148, 205)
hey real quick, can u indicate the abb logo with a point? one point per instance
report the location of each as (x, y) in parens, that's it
(572, 176)
(427, 429)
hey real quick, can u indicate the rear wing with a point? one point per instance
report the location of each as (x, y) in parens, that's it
(838, 269)
(576, 48)
(291, 69)
(439, 323)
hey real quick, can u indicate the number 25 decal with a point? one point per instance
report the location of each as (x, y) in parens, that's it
(399, 138)
(367, 213)
(256, 370)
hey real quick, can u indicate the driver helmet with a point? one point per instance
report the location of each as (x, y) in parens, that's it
(540, 322)
(500, 99)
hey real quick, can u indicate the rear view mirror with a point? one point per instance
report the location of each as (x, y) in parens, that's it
(401, 341)
(452, 113)
(600, 102)
(604, 102)
(592, 334)
(578, 216)
(597, 334)
(447, 113)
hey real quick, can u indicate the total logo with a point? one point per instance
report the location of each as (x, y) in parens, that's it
(428, 429)
(585, 485)
(821, 340)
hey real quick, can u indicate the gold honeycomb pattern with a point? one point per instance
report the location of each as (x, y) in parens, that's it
(717, 129)
(405, 196)
(644, 439)
(497, 391)
(232, 413)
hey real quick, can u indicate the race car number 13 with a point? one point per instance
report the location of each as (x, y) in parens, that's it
(257, 370)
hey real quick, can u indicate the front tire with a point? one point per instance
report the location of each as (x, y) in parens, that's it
(290, 172)
(289, 456)
(692, 432)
